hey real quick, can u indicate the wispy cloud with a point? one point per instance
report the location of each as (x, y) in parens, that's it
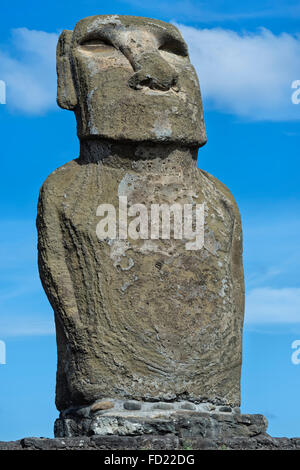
(269, 306)
(27, 65)
(272, 263)
(246, 74)
(25, 325)
(271, 244)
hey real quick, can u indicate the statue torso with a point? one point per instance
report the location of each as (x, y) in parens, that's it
(151, 311)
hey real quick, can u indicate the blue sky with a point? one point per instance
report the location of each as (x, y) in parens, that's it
(247, 55)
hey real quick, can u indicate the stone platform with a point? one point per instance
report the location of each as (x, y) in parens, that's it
(182, 419)
(153, 427)
(167, 442)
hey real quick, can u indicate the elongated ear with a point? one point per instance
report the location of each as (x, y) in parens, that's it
(66, 94)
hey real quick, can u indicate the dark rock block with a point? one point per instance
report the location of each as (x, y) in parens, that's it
(132, 405)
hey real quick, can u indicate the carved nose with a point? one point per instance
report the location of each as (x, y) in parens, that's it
(154, 72)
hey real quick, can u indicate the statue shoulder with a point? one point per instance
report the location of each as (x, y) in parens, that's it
(60, 179)
(226, 194)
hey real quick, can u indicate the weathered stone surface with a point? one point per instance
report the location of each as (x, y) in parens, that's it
(188, 406)
(149, 442)
(138, 319)
(225, 409)
(101, 351)
(163, 406)
(171, 442)
(167, 442)
(130, 78)
(181, 423)
(10, 445)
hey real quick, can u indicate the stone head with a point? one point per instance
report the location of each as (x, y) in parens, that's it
(130, 79)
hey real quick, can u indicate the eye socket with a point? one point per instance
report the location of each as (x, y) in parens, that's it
(174, 47)
(96, 43)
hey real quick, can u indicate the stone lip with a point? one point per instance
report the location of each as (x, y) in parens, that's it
(150, 409)
(154, 442)
(214, 425)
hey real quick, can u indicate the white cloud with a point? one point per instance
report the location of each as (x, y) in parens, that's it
(273, 306)
(271, 263)
(25, 325)
(28, 68)
(246, 74)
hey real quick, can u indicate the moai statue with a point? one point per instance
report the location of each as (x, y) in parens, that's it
(144, 321)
